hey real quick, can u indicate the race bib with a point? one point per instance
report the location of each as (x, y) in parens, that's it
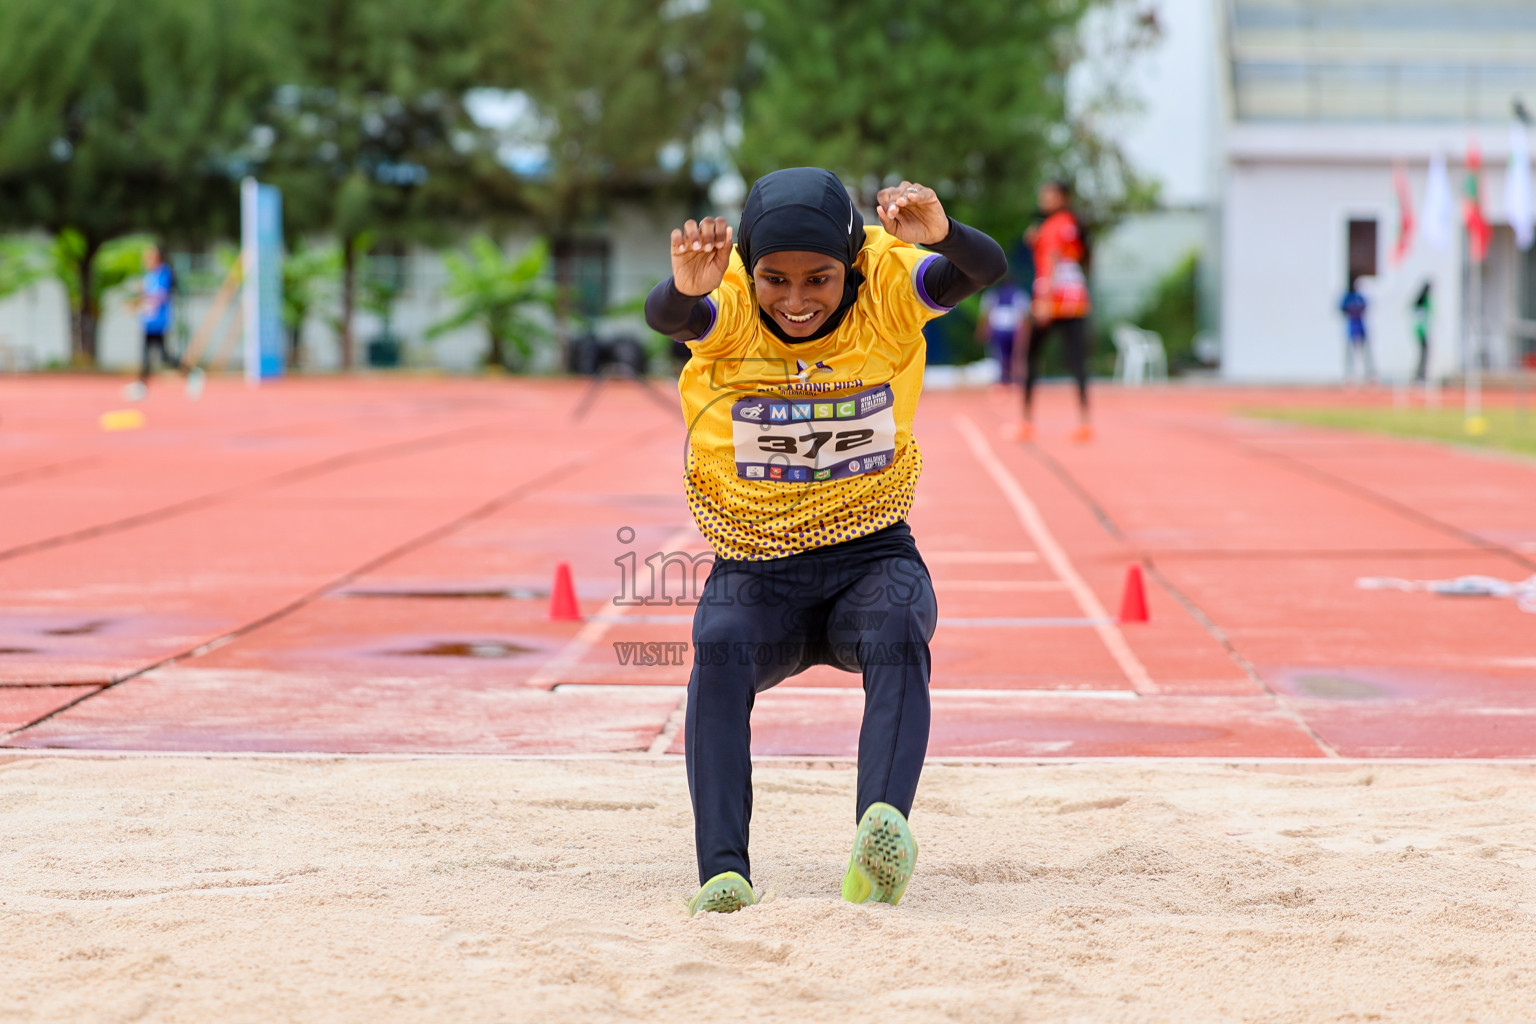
(1068, 284)
(803, 440)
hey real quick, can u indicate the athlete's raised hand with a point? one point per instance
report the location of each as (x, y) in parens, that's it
(700, 253)
(913, 213)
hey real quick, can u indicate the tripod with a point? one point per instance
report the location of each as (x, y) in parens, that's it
(622, 358)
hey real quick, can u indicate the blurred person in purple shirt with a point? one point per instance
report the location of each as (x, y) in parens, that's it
(1003, 309)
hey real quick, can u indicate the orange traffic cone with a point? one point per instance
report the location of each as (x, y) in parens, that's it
(562, 599)
(1133, 603)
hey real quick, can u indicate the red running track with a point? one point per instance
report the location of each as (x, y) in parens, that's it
(363, 566)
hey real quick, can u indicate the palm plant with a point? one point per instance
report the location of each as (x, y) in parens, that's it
(498, 292)
(25, 261)
(310, 276)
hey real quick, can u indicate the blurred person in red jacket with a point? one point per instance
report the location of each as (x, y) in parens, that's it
(1061, 304)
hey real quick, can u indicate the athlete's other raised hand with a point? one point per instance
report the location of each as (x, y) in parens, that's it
(913, 213)
(700, 253)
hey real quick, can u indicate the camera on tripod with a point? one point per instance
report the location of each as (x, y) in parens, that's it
(623, 356)
(587, 355)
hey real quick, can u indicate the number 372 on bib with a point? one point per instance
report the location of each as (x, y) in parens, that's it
(804, 440)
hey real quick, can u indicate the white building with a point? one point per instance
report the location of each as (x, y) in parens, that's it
(1320, 99)
(1168, 136)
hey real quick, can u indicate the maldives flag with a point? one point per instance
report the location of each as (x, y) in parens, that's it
(1479, 234)
(1404, 214)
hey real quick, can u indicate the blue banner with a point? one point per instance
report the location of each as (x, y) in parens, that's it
(261, 251)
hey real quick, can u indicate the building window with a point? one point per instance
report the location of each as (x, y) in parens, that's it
(582, 267)
(1362, 249)
(1524, 327)
(1527, 286)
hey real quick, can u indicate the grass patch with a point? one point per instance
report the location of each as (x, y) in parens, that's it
(1508, 429)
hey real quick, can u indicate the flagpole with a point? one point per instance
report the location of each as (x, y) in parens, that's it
(1477, 232)
(1468, 326)
(1473, 397)
(1521, 204)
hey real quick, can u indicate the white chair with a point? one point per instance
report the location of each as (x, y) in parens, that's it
(1155, 357)
(1130, 355)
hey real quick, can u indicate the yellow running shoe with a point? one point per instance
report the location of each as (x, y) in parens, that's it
(722, 894)
(884, 853)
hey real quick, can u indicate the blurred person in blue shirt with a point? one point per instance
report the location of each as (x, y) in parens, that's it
(1353, 306)
(157, 289)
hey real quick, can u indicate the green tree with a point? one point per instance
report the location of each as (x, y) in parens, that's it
(627, 99)
(370, 137)
(113, 265)
(23, 263)
(117, 118)
(498, 292)
(1173, 311)
(968, 96)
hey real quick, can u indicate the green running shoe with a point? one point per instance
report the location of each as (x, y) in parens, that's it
(884, 853)
(722, 894)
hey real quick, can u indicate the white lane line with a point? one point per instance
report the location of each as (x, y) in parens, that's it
(685, 620)
(1141, 762)
(650, 620)
(593, 631)
(978, 586)
(1041, 623)
(620, 688)
(849, 692)
(1056, 558)
(982, 557)
(674, 725)
(998, 585)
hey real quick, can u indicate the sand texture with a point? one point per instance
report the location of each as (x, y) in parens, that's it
(232, 890)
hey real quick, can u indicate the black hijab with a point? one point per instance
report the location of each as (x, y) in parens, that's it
(803, 209)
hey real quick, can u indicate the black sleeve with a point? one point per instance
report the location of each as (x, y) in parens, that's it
(970, 261)
(678, 316)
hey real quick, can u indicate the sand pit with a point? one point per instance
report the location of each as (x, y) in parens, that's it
(186, 889)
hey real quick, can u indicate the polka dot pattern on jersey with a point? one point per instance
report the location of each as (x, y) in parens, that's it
(753, 521)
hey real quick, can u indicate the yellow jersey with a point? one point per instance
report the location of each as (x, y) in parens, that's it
(794, 447)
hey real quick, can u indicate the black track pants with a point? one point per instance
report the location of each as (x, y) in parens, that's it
(863, 606)
(154, 341)
(1074, 334)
